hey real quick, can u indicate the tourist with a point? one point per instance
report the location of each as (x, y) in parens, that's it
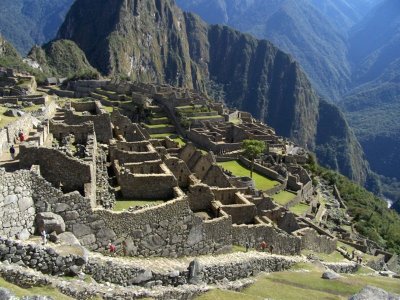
(21, 136)
(111, 248)
(12, 152)
(43, 233)
(263, 246)
(271, 248)
(247, 246)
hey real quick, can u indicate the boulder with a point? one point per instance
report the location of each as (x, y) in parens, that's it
(195, 272)
(23, 235)
(12, 113)
(69, 239)
(330, 275)
(6, 294)
(51, 222)
(374, 293)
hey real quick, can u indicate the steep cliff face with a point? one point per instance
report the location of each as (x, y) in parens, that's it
(153, 41)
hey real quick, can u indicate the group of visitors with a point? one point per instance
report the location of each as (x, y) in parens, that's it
(112, 248)
(263, 247)
(21, 138)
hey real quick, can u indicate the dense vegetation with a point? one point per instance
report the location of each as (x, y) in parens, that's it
(28, 22)
(371, 215)
(63, 58)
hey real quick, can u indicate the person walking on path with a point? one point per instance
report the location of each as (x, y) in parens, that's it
(21, 136)
(43, 233)
(12, 152)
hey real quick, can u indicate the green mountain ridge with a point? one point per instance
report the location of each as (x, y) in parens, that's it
(154, 41)
(63, 58)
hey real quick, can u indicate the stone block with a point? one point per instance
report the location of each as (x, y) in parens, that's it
(25, 203)
(50, 222)
(68, 238)
(23, 235)
(80, 230)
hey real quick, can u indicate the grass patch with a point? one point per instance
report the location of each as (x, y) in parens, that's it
(4, 120)
(188, 107)
(158, 125)
(335, 256)
(237, 248)
(205, 117)
(43, 291)
(125, 204)
(32, 108)
(306, 285)
(299, 209)
(283, 197)
(159, 119)
(180, 141)
(108, 109)
(262, 183)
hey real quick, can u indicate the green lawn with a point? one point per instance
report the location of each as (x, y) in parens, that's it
(335, 256)
(180, 141)
(160, 118)
(43, 291)
(32, 108)
(262, 183)
(304, 285)
(205, 117)
(4, 120)
(299, 209)
(108, 109)
(158, 125)
(283, 197)
(125, 204)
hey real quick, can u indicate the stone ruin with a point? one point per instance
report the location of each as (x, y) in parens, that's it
(85, 160)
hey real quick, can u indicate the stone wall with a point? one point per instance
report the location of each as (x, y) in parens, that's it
(81, 131)
(17, 210)
(180, 170)
(124, 156)
(4, 145)
(311, 240)
(24, 123)
(58, 168)
(170, 229)
(216, 177)
(83, 88)
(145, 186)
(200, 197)
(262, 170)
(282, 242)
(101, 121)
(124, 127)
(43, 259)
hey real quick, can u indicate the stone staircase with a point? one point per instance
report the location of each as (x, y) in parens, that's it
(59, 116)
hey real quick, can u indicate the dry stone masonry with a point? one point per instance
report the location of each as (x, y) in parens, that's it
(161, 147)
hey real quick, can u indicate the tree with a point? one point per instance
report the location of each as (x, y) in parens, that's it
(252, 150)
